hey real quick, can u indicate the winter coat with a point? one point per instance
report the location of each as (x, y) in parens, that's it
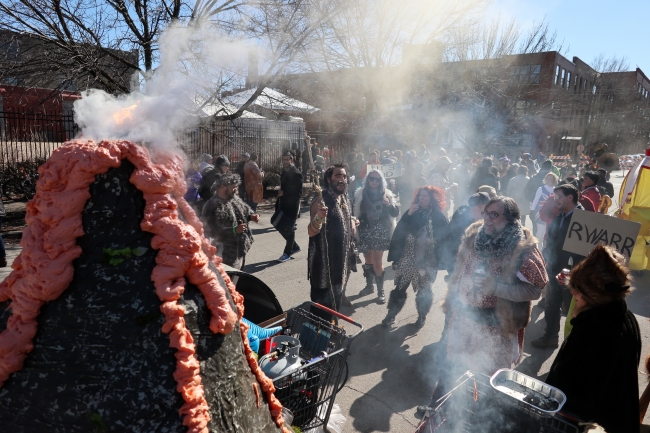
(593, 194)
(554, 254)
(291, 181)
(253, 182)
(388, 213)
(597, 365)
(515, 190)
(533, 184)
(219, 217)
(483, 177)
(511, 315)
(460, 220)
(411, 225)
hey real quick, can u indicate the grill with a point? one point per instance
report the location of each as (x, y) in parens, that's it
(473, 406)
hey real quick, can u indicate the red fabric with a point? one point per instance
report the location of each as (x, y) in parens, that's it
(592, 194)
(587, 204)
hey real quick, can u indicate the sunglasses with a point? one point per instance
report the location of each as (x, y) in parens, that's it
(491, 215)
(374, 179)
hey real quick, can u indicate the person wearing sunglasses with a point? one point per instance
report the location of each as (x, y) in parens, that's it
(374, 206)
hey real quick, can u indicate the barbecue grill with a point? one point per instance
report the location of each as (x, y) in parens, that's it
(474, 406)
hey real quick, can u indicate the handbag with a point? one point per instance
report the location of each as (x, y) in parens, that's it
(281, 221)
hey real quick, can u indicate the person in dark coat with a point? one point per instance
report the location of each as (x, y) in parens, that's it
(483, 176)
(240, 171)
(597, 364)
(566, 199)
(464, 217)
(604, 183)
(289, 196)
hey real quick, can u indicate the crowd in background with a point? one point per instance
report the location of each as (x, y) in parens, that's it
(467, 215)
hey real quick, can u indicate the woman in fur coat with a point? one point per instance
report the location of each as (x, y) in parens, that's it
(498, 272)
(374, 206)
(414, 252)
(597, 364)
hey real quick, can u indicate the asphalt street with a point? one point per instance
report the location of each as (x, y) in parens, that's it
(390, 369)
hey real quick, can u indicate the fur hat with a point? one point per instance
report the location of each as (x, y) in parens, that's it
(225, 179)
(602, 277)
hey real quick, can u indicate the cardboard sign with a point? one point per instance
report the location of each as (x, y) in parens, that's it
(389, 171)
(588, 229)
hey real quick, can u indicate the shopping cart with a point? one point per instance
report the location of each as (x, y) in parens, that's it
(309, 391)
(474, 406)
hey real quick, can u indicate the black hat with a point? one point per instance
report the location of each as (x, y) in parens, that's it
(478, 199)
(222, 160)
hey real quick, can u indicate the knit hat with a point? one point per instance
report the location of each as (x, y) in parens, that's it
(225, 179)
(490, 191)
(221, 160)
(206, 157)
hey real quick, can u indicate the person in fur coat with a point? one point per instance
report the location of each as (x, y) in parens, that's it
(499, 271)
(225, 218)
(375, 208)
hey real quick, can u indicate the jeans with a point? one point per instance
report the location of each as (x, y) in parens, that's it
(291, 244)
(532, 220)
(556, 295)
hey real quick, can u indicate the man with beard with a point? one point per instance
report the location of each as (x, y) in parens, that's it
(331, 231)
(225, 217)
(288, 202)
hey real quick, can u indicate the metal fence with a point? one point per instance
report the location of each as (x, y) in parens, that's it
(267, 139)
(30, 136)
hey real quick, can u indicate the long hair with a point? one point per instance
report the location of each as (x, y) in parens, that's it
(437, 196)
(383, 185)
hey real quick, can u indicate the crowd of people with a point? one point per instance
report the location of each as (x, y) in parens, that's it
(465, 215)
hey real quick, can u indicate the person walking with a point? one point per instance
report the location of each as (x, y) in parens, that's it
(206, 163)
(536, 180)
(240, 171)
(208, 177)
(516, 188)
(483, 176)
(596, 367)
(542, 194)
(226, 217)
(414, 252)
(375, 208)
(566, 197)
(291, 181)
(253, 176)
(331, 232)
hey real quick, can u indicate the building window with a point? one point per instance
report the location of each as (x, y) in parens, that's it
(526, 104)
(526, 73)
(562, 76)
(575, 83)
(557, 75)
(568, 80)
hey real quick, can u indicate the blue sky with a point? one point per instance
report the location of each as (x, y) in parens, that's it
(590, 27)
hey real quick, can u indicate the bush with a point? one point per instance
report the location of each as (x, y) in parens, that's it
(271, 179)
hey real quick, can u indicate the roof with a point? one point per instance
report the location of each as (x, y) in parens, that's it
(223, 109)
(271, 99)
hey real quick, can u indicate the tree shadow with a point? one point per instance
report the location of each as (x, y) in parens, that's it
(262, 230)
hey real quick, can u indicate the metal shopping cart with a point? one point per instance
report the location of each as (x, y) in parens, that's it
(309, 391)
(474, 406)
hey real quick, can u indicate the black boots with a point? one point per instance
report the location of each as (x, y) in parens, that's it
(369, 273)
(380, 288)
(396, 302)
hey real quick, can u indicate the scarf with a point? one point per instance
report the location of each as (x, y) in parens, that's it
(487, 247)
(372, 202)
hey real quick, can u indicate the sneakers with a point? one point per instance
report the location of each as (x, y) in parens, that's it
(297, 250)
(284, 258)
(545, 342)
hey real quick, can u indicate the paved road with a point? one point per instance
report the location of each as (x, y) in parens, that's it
(389, 369)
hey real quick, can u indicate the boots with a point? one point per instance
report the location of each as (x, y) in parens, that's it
(380, 288)
(369, 273)
(423, 302)
(396, 302)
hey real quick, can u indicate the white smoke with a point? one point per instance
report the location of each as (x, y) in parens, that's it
(196, 64)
